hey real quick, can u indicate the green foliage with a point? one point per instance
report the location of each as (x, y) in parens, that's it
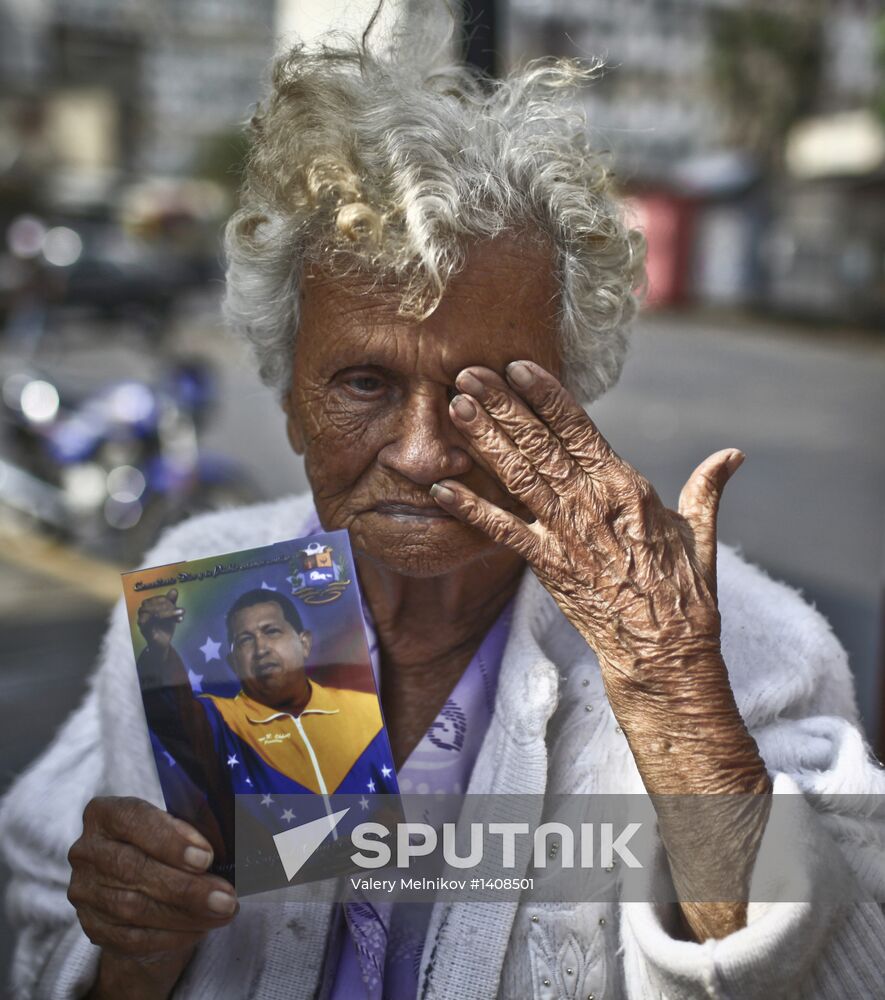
(879, 102)
(222, 158)
(766, 68)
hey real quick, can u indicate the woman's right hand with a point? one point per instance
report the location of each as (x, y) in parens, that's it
(142, 894)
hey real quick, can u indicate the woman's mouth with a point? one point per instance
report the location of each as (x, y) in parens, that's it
(394, 508)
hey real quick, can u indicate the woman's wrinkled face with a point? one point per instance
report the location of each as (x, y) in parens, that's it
(369, 405)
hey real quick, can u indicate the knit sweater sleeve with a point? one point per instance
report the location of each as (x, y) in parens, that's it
(102, 749)
(41, 816)
(815, 926)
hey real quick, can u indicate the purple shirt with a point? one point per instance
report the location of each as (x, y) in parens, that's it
(381, 951)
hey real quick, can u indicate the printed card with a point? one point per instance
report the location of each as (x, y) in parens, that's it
(258, 689)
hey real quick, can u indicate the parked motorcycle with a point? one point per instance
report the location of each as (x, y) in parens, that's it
(110, 470)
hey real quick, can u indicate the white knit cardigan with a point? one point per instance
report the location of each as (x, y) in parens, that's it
(792, 685)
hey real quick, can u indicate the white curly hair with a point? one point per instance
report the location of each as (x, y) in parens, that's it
(365, 161)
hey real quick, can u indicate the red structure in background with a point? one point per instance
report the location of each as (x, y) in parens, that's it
(667, 221)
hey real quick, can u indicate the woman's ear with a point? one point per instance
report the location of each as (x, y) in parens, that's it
(294, 431)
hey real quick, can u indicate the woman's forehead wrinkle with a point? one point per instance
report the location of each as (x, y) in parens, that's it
(502, 304)
(342, 296)
(354, 326)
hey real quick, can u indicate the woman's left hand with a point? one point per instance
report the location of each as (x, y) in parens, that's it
(637, 580)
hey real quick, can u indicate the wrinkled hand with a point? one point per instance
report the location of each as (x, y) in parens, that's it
(636, 579)
(140, 887)
(157, 618)
(142, 894)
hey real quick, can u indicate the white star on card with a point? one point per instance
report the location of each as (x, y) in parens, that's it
(249, 781)
(386, 772)
(288, 815)
(265, 586)
(364, 803)
(210, 648)
(266, 800)
(371, 785)
(232, 760)
(196, 680)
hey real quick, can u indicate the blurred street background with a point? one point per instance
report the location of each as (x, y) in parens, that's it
(748, 138)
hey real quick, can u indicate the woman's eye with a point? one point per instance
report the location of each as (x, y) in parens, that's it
(365, 385)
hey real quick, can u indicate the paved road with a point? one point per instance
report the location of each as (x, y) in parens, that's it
(808, 504)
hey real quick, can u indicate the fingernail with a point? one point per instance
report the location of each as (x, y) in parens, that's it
(469, 383)
(520, 374)
(442, 493)
(222, 903)
(734, 461)
(193, 837)
(463, 407)
(196, 857)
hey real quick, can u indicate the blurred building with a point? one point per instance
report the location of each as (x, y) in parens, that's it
(646, 106)
(747, 136)
(96, 93)
(654, 106)
(92, 88)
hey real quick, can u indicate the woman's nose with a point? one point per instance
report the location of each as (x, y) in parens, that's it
(426, 446)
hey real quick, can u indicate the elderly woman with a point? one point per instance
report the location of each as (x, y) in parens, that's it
(436, 278)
